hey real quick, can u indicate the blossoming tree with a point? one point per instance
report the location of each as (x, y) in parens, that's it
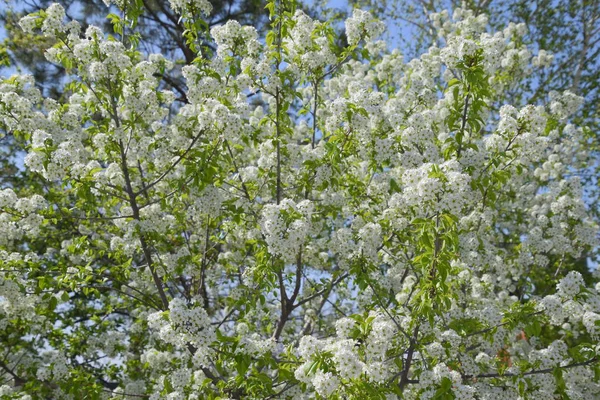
(304, 221)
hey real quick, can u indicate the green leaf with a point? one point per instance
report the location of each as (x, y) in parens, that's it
(52, 303)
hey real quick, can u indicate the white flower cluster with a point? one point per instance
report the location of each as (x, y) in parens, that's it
(286, 227)
(551, 356)
(311, 50)
(56, 366)
(435, 376)
(252, 343)
(591, 321)
(53, 23)
(449, 191)
(20, 217)
(543, 59)
(185, 325)
(466, 34)
(573, 305)
(351, 358)
(563, 105)
(233, 39)
(362, 24)
(325, 383)
(182, 6)
(570, 285)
